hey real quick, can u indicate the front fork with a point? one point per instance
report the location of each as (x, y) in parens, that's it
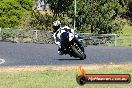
(79, 44)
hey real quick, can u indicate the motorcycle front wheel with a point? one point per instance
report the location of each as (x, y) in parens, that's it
(79, 52)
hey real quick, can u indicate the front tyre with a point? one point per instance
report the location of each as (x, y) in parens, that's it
(79, 52)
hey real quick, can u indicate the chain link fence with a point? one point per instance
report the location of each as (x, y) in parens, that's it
(45, 37)
(99, 39)
(26, 36)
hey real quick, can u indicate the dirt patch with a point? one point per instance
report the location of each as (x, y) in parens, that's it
(58, 68)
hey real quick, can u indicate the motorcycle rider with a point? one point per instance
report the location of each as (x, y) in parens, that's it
(58, 26)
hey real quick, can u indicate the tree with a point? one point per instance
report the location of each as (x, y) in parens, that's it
(59, 7)
(14, 12)
(95, 16)
(41, 22)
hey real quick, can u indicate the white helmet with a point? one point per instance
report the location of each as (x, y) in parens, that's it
(56, 23)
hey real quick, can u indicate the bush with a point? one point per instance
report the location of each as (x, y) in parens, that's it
(9, 33)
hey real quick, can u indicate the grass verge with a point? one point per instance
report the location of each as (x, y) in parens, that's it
(57, 77)
(125, 39)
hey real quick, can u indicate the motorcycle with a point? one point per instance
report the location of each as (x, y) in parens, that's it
(70, 44)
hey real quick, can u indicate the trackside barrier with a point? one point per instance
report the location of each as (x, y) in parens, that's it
(45, 37)
(99, 39)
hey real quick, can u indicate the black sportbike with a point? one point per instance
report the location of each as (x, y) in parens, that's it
(71, 45)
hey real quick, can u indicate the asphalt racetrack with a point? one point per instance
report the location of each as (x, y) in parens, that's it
(28, 54)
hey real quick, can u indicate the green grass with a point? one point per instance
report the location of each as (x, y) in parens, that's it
(58, 79)
(125, 39)
(127, 30)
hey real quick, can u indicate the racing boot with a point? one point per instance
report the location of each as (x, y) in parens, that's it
(60, 51)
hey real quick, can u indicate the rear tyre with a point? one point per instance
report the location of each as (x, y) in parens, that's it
(79, 53)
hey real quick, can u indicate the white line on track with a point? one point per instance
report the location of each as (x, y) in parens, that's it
(2, 61)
